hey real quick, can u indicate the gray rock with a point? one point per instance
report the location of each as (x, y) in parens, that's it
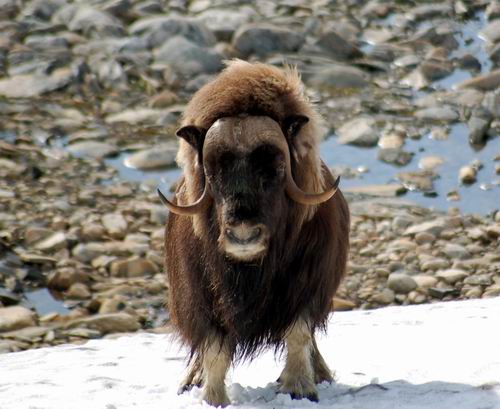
(337, 76)
(486, 82)
(160, 156)
(158, 29)
(107, 323)
(401, 283)
(42, 9)
(360, 131)
(8, 298)
(92, 149)
(445, 113)
(424, 281)
(95, 23)
(434, 264)
(188, 58)
(64, 278)
(16, 317)
(262, 39)
(8, 9)
(493, 10)
(386, 296)
(115, 225)
(491, 103)
(394, 156)
(225, 22)
(455, 251)
(28, 86)
(478, 127)
(135, 116)
(336, 46)
(491, 32)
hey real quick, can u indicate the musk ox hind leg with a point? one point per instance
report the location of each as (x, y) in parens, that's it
(321, 371)
(215, 362)
(193, 377)
(297, 378)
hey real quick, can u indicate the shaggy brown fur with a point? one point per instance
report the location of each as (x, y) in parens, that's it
(251, 306)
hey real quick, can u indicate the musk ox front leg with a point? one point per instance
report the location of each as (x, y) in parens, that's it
(216, 360)
(297, 379)
(193, 377)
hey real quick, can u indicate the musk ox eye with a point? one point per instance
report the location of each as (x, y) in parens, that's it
(265, 161)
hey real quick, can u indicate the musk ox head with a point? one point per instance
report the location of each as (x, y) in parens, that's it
(248, 173)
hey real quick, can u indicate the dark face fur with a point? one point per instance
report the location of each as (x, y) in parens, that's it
(245, 170)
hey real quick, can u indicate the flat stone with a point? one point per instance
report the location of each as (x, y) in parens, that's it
(360, 131)
(95, 23)
(434, 227)
(64, 278)
(225, 22)
(16, 317)
(429, 11)
(135, 116)
(54, 242)
(29, 86)
(385, 297)
(424, 237)
(440, 293)
(401, 283)
(485, 82)
(92, 149)
(107, 323)
(451, 275)
(446, 114)
(391, 140)
(133, 267)
(263, 39)
(340, 304)
(161, 156)
(478, 128)
(27, 334)
(389, 190)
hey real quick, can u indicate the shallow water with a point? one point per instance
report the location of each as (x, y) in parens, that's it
(44, 302)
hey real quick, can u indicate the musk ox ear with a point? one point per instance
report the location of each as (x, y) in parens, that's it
(292, 125)
(193, 135)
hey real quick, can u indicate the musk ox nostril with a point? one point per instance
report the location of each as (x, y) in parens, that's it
(243, 234)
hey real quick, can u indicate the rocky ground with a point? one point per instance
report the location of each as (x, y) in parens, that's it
(85, 86)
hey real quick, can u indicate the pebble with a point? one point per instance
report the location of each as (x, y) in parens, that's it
(115, 225)
(451, 275)
(159, 157)
(52, 243)
(430, 162)
(467, 174)
(15, 317)
(336, 46)
(107, 323)
(133, 267)
(338, 77)
(445, 114)
(92, 149)
(485, 82)
(78, 291)
(491, 32)
(360, 131)
(401, 283)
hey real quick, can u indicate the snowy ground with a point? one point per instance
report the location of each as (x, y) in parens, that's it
(431, 356)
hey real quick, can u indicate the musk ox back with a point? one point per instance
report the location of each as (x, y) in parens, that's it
(257, 238)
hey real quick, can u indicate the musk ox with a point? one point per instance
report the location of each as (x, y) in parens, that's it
(257, 237)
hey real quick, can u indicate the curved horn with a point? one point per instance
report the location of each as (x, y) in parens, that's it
(298, 195)
(189, 210)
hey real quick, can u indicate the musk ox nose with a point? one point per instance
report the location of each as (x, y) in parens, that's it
(244, 233)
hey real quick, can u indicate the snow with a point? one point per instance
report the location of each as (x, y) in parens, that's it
(444, 355)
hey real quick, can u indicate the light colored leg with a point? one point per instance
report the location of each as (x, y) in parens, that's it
(297, 379)
(216, 361)
(321, 371)
(194, 376)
